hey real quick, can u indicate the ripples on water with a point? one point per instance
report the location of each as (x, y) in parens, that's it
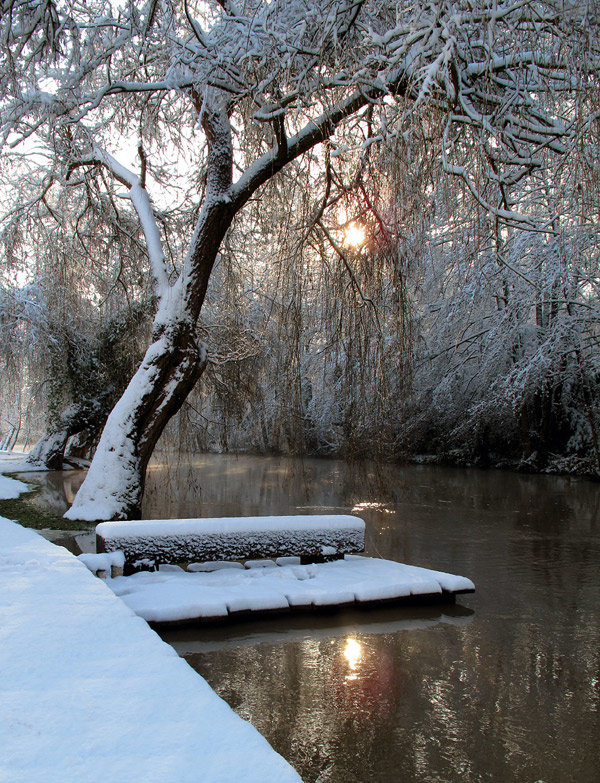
(503, 687)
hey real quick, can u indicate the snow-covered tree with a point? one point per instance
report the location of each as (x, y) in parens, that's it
(507, 363)
(221, 95)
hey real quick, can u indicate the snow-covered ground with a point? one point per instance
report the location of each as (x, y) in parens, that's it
(172, 594)
(13, 462)
(16, 462)
(90, 692)
(11, 488)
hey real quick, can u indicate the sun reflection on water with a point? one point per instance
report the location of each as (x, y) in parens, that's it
(353, 653)
(366, 505)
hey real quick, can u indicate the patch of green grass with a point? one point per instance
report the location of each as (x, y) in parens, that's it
(29, 510)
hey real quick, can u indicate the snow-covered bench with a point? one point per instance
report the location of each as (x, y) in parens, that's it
(313, 538)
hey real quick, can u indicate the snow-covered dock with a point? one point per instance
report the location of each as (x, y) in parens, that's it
(285, 577)
(90, 692)
(172, 595)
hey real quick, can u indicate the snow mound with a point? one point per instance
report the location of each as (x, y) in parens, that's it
(103, 561)
(11, 488)
(89, 692)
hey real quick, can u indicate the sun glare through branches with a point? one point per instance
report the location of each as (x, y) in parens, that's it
(354, 236)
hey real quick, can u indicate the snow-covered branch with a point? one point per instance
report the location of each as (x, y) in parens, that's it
(143, 207)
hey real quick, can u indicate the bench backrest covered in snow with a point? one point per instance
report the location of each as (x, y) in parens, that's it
(314, 537)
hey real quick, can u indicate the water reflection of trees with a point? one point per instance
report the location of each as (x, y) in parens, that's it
(56, 489)
(442, 704)
(512, 696)
(270, 484)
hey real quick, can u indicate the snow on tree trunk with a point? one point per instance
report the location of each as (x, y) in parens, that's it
(114, 486)
(49, 451)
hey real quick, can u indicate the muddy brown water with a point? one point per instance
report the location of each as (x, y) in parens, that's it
(504, 686)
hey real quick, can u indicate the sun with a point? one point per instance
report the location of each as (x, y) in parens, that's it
(354, 235)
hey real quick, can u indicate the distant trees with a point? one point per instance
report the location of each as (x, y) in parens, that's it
(489, 332)
(507, 370)
(456, 336)
(204, 103)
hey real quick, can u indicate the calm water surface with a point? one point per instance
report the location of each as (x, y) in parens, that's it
(505, 686)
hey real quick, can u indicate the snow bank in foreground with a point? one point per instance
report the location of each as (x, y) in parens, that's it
(171, 596)
(89, 692)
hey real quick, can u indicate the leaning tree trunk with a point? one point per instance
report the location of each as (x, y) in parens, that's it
(114, 486)
(49, 451)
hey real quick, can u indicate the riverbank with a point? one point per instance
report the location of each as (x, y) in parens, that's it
(91, 693)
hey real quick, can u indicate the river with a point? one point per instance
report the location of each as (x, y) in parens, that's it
(505, 686)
